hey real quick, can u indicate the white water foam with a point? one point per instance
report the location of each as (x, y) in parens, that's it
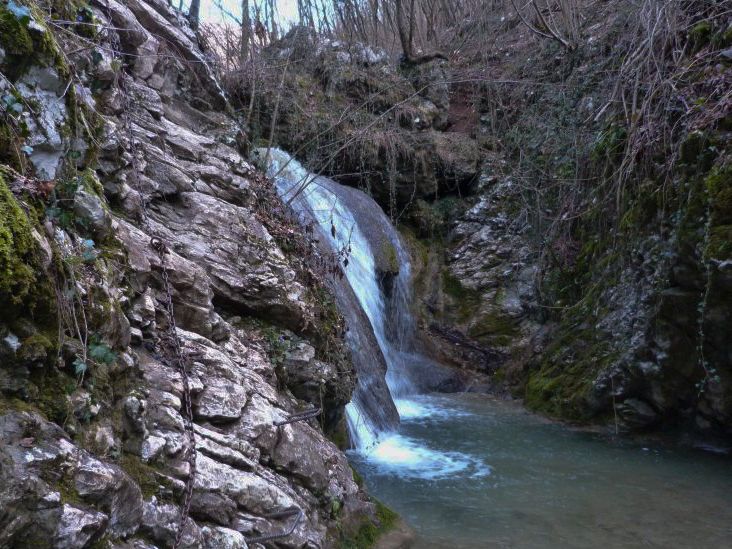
(408, 458)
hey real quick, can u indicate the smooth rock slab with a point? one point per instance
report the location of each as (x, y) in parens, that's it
(248, 490)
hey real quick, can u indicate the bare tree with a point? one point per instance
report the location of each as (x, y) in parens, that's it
(246, 31)
(194, 13)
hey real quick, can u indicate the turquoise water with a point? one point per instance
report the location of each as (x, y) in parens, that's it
(469, 471)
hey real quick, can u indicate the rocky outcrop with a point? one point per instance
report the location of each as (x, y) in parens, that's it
(94, 436)
(592, 308)
(388, 126)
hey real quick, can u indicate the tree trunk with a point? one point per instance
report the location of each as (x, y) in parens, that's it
(403, 31)
(246, 31)
(194, 13)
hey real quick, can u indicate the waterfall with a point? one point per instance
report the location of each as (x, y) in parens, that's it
(361, 224)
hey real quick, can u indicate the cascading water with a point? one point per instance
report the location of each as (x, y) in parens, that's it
(359, 223)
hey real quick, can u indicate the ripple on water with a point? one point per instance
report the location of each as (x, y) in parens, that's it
(426, 407)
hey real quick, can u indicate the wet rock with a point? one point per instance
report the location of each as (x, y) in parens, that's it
(45, 252)
(220, 261)
(227, 240)
(636, 414)
(102, 440)
(152, 447)
(135, 411)
(312, 462)
(131, 31)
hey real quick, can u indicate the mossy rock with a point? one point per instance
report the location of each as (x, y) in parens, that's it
(17, 246)
(26, 45)
(562, 385)
(720, 243)
(52, 398)
(145, 476)
(370, 531)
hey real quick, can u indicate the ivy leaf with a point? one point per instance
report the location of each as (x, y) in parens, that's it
(79, 366)
(102, 353)
(89, 253)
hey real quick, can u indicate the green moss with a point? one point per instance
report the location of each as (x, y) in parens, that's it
(99, 544)
(452, 286)
(52, 398)
(390, 257)
(369, 532)
(339, 437)
(466, 299)
(146, 477)
(565, 378)
(16, 248)
(357, 478)
(16, 41)
(90, 183)
(610, 144)
(492, 327)
(726, 40)
(68, 491)
(720, 243)
(719, 186)
(699, 36)
(36, 347)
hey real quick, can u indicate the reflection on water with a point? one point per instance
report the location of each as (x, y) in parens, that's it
(467, 471)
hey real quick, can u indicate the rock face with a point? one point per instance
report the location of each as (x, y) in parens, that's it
(108, 463)
(590, 309)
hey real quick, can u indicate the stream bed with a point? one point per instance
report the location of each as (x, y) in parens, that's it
(470, 471)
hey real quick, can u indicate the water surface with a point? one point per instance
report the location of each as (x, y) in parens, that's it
(468, 471)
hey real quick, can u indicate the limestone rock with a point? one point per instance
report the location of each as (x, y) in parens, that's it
(160, 522)
(222, 538)
(116, 493)
(77, 527)
(223, 402)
